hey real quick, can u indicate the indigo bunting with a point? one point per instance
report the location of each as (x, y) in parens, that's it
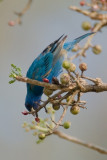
(47, 65)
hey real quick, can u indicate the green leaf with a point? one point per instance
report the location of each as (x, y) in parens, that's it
(12, 65)
(11, 76)
(15, 71)
(18, 69)
(12, 81)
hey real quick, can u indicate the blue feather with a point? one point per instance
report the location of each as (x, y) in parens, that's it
(69, 45)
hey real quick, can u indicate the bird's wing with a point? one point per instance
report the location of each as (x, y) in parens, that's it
(39, 70)
(69, 45)
(58, 57)
(44, 61)
(43, 65)
(56, 70)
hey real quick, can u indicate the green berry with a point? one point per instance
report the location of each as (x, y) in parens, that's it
(41, 136)
(83, 67)
(56, 106)
(66, 64)
(67, 124)
(47, 92)
(64, 78)
(97, 49)
(86, 25)
(75, 109)
(72, 67)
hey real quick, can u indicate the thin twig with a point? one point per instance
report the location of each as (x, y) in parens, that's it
(80, 142)
(63, 114)
(20, 14)
(45, 103)
(92, 15)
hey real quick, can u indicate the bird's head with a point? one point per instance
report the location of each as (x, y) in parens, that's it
(32, 102)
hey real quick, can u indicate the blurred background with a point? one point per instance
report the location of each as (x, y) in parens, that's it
(44, 22)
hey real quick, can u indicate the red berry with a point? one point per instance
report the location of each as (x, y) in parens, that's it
(11, 23)
(25, 113)
(82, 3)
(37, 119)
(46, 80)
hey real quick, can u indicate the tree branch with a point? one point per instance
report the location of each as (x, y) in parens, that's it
(80, 142)
(85, 87)
(92, 15)
(38, 83)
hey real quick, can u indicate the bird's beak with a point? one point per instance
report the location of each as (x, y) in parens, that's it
(59, 45)
(62, 41)
(59, 39)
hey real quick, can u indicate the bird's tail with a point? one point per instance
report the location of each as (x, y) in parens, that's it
(69, 45)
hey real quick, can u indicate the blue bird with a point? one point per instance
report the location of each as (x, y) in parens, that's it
(47, 65)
